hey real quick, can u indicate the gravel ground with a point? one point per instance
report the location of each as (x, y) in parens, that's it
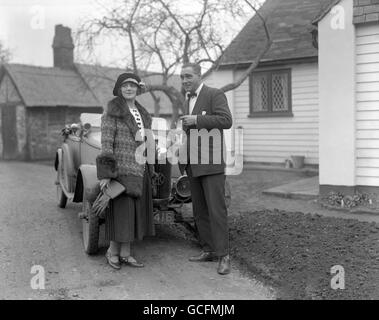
(289, 245)
(35, 232)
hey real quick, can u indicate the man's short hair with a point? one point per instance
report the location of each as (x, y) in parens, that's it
(195, 67)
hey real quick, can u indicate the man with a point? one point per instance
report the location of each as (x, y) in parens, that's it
(207, 112)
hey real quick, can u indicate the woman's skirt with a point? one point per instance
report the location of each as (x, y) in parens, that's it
(129, 218)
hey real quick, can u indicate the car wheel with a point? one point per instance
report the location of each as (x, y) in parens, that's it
(91, 228)
(61, 196)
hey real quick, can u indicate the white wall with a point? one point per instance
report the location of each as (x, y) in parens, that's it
(273, 139)
(367, 105)
(337, 98)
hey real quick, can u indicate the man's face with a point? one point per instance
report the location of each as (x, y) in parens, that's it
(190, 80)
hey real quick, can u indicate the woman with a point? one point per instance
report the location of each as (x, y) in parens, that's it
(130, 215)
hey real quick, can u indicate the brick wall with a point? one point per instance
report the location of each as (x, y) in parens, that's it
(21, 131)
(44, 127)
(366, 11)
(1, 138)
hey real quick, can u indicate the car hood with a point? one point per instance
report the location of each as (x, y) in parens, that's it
(94, 139)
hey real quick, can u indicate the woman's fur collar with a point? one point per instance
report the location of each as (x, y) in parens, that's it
(117, 108)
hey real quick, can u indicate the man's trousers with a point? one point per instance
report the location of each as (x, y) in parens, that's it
(210, 212)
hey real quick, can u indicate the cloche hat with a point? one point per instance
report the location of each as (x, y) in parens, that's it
(126, 77)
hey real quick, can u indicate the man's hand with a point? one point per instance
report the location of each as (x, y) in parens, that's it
(189, 121)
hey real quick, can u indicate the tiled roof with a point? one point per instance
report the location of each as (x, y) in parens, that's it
(366, 11)
(290, 25)
(101, 81)
(87, 86)
(325, 11)
(41, 86)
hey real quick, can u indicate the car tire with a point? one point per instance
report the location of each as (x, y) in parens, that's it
(61, 196)
(90, 228)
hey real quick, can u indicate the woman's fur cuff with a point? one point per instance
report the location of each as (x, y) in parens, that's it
(106, 166)
(133, 185)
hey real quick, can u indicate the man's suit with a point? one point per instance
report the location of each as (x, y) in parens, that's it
(207, 180)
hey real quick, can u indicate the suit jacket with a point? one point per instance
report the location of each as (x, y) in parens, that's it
(213, 116)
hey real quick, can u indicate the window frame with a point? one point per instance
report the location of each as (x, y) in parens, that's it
(270, 112)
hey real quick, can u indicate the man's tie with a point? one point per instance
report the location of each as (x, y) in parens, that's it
(191, 95)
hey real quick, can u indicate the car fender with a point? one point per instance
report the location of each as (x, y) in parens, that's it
(68, 161)
(87, 183)
(58, 158)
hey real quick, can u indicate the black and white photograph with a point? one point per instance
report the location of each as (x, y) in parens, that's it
(164, 151)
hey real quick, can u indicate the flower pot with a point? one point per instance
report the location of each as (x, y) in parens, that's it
(297, 162)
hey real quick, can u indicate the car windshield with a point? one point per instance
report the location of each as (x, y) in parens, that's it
(94, 119)
(159, 124)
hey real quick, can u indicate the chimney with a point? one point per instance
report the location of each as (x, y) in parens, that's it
(63, 47)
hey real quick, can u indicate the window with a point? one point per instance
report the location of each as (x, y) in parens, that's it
(270, 93)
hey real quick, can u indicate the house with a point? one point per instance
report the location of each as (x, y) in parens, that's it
(277, 106)
(36, 102)
(316, 91)
(348, 32)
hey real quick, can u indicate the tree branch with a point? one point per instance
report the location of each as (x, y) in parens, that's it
(256, 61)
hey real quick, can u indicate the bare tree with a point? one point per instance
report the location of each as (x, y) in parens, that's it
(160, 33)
(5, 54)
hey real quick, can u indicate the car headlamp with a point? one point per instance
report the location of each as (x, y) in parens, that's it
(182, 188)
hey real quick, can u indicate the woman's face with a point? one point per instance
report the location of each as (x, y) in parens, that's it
(129, 90)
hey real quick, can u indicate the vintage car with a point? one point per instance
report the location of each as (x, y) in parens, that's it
(76, 180)
(75, 164)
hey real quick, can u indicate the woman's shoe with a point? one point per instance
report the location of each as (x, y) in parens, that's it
(130, 261)
(113, 260)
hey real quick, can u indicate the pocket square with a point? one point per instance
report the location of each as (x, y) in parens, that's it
(203, 113)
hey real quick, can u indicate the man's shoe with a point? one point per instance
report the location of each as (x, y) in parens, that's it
(113, 260)
(224, 265)
(203, 257)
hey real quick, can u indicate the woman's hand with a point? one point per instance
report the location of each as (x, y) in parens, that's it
(104, 183)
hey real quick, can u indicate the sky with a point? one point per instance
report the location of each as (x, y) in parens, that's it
(27, 28)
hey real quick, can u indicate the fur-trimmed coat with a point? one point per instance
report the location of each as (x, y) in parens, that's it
(118, 145)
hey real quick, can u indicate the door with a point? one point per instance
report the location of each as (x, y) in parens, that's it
(9, 131)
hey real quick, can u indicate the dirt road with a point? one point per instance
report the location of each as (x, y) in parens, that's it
(34, 231)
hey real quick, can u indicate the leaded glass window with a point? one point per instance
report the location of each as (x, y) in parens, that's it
(270, 93)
